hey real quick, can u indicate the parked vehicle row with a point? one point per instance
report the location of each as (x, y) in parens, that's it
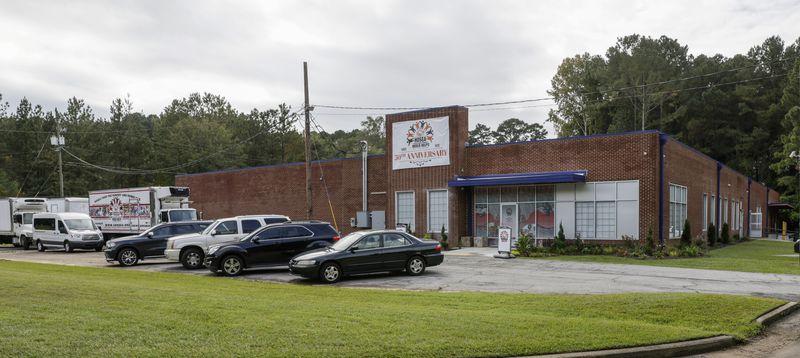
(229, 246)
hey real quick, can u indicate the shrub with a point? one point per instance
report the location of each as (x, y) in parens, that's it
(560, 240)
(711, 235)
(628, 242)
(691, 251)
(650, 242)
(736, 237)
(607, 250)
(578, 242)
(725, 236)
(428, 236)
(524, 245)
(674, 252)
(686, 235)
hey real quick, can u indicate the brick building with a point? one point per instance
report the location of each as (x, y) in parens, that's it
(601, 187)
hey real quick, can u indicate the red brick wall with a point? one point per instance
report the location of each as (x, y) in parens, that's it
(280, 189)
(607, 158)
(420, 180)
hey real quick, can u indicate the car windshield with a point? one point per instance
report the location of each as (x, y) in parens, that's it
(346, 241)
(27, 218)
(182, 215)
(79, 224)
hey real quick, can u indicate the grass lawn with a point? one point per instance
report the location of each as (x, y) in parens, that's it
(750, 256)
(53, 310)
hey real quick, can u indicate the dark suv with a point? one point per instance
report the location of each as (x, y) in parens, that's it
(272, 245)
(130, 249)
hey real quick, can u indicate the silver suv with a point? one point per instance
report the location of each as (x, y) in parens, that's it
(191, 249)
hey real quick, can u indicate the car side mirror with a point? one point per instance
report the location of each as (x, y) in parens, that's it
(213, 232)
(353, 249)
(256, 240)
(150, 234)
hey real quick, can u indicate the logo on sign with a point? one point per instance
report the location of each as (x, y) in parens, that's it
(420, 135)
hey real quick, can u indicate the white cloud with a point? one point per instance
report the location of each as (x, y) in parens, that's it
(362, 53)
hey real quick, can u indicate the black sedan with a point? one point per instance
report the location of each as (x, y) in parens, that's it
(271, 246)
(367, 252)
(129, 250)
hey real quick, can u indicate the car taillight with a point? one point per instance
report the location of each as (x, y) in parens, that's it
(336, 238)
(438, 247)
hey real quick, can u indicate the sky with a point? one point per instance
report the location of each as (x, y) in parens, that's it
(360, 53)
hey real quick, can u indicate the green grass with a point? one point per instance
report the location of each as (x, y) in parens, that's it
(751, 256)
(53, 310)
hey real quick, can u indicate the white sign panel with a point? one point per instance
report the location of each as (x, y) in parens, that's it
(421, 143)
(504, 239)
(121, 212)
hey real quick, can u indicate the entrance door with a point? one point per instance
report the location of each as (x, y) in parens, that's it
(755, 224)
(508, 217)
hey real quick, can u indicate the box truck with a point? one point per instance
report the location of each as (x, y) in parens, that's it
(68, 205)
(16, 219)
(121, 212)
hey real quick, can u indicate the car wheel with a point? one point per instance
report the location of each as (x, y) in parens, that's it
(192, 258)
(39, 246)
(128, 257)
(415, 266)
(330, 273)
(26, 244)
(67, 246)
(232, 265)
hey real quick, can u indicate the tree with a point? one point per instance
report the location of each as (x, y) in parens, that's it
(577, 93)
(515, 130)
(482, 134)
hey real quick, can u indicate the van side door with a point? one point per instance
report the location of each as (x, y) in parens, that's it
(63, 233)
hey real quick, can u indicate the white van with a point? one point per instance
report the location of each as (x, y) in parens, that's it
(66, 231)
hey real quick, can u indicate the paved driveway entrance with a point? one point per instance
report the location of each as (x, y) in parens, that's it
(475, 270)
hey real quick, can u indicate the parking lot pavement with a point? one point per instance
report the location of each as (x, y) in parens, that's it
(476, 270)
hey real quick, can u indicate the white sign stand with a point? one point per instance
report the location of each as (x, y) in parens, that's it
(504, 243)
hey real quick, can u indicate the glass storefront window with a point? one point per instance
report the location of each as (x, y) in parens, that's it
(481, 220)
(480, 195)
(545, 193)
(494, 195)
(527, 193)
(508, 194)
(493, 220)
(527, 219)
(545, 220)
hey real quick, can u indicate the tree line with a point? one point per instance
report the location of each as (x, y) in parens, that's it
(742, 110)
(198, 133)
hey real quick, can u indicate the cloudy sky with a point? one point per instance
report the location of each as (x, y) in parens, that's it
(360, 53)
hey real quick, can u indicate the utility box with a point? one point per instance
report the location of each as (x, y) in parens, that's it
(363, 219)
(378, 220)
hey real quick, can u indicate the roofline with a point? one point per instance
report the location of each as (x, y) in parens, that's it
(277, 165)
(649, 131)
(455, 106)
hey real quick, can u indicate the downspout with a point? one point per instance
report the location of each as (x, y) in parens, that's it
(469, 211)
(719, 215)
(364, 151)
(749, 182)
(766, 216)
(662, 140)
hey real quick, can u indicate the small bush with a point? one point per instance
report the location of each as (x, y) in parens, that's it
(428, 236)
(737, 238)
(725, 236)
(524, 245)
(607, 250)
(650, 243)
(674, 252)
(578, 242)
(690, 251)
(560, 240)
(711, 235)
(686, 235)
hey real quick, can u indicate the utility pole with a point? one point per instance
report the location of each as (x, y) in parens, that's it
(309, 208)
(58, 141)
(644, 104)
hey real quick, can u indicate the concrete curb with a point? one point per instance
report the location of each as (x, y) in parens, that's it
(778, 313)
(679, 349)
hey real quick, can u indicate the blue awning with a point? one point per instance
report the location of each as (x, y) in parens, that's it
(520, 178)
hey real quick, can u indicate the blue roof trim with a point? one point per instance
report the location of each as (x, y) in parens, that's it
(520, 178)
(566, 138)
(277, 165)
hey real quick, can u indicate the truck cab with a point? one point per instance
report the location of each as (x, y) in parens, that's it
(175, 215)
(23, 228)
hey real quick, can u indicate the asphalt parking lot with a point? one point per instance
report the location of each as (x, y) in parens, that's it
(475, 270)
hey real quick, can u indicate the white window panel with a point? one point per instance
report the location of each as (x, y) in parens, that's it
(437, 210)
(584, 219)
(606, 219)
(405, 209)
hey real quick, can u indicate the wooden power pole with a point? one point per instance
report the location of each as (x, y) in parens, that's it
(309, 208)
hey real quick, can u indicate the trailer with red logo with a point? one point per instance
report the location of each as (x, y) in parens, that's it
(131, 211)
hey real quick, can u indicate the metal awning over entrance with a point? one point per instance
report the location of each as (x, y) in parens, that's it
(520, 178)
(780, 206)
